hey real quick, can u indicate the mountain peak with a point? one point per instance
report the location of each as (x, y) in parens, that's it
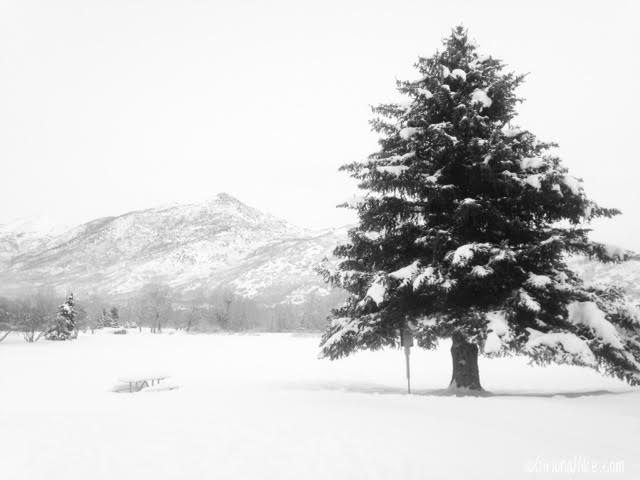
(225, 197)
(221, 198)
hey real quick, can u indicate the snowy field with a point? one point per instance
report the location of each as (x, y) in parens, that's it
(264, 407)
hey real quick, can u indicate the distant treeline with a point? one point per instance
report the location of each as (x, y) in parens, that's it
(155, 308)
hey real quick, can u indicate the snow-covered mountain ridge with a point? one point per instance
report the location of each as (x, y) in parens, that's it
(219, 243)
(624, 274)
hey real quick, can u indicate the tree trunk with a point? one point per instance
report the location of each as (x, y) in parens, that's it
(465, 364)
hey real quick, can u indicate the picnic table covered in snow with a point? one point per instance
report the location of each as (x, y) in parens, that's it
(140, 381)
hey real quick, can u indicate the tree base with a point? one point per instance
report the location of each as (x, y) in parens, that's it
(465, 376)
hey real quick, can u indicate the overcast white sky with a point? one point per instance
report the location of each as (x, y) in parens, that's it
(109, 106)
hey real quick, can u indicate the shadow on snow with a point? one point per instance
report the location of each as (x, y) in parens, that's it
(368, 388)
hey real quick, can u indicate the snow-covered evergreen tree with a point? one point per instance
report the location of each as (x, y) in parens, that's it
(64, 327)
(100, 319)
(465, 223)
(114, 314)
(107, 318)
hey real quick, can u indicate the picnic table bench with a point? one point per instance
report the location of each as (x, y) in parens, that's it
(137, 383)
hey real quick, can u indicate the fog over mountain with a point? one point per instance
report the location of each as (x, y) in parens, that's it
(219, 243)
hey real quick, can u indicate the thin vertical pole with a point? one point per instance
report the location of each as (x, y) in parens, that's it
(407, 353)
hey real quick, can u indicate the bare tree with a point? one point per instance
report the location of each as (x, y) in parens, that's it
(195, 315)
(137, 311)
(93, 306)
(155, 305)
(6, 318)
(35, 313)
(222, 301)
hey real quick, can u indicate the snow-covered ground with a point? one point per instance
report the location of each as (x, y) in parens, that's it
(264, 407)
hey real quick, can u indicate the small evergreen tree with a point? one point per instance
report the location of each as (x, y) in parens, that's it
(464, 231)
(64, 327)
(115, 317)
(103, 320)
